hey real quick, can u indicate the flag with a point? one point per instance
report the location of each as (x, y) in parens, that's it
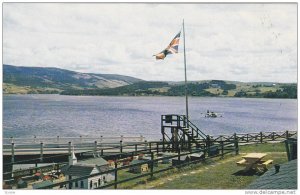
(171, 49)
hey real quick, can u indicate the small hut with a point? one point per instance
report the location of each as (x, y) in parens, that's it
(140, 168)
(181, 160)
(197, 156)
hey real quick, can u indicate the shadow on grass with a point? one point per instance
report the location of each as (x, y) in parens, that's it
(251, 172)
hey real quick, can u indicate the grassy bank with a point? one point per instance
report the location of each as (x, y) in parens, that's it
(212, 174)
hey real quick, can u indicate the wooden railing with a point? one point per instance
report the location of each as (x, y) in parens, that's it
(79, 139)
(222, 147)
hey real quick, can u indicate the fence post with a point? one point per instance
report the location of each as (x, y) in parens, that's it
(70, 149)
(222, 149)
(95, 147)
(247, 137)
(150, 147)
(11, 139)
(287, 149)
(152, 164)
(236, 144)
(146, 144)
(261, 137)
(12, 152)
(207, 143)
(157, 148)
(273, 136)
(42, 151)
(116, 174)
(178, 155)
(286, 134)
(135, 149)
(101, 152)
(121, 146)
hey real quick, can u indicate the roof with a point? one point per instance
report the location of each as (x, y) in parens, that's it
(94, 161)
(286, 178)
(77, 170)
(28, 166)
(138, 161)
(42, 184)
(182, 158)
(197, 154)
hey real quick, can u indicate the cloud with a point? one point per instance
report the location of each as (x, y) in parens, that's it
(245, 42)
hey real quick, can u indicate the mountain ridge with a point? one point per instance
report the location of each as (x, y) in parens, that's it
(40, 78)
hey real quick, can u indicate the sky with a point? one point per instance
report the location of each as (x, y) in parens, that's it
(237, 42)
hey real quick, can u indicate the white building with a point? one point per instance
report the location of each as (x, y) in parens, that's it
(84, 168)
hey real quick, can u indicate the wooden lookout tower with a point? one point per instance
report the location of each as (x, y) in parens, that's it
(180, 134)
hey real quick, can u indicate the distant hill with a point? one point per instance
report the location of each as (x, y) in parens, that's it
(18, 79)
(213, 88)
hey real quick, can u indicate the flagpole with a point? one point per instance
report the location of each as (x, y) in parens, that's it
(186, 88)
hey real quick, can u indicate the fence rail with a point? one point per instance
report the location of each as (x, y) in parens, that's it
(223, 147)
(80, 139)
(215, 146)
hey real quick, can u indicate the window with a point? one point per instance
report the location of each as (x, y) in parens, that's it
(81, 184)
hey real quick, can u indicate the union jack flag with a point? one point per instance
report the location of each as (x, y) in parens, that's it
(171, 49)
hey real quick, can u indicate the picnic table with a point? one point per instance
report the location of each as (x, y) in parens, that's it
(254, 161)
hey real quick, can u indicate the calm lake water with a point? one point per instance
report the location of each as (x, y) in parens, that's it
(52, 115)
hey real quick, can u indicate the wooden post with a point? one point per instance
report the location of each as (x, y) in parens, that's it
(179, 156)
(273, 136)
(152, 164)
(207, 143)
(222, 149)
(116, 174)
(135, 149)
(70, 149)
(286, 134)
(247, 137)
(12, 152)
(150, 146)
(287, 149)
(42, 151)
(121, 146)
(163, 140)
(261, 137)
(236, 144)
(11, 139)
(95, 147)
(146, 144)
(157, 148)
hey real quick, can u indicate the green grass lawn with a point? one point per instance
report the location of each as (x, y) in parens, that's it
(215, 173)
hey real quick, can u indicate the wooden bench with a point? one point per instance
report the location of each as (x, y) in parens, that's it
(264, 164)
(241, 162)
(267, 163)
